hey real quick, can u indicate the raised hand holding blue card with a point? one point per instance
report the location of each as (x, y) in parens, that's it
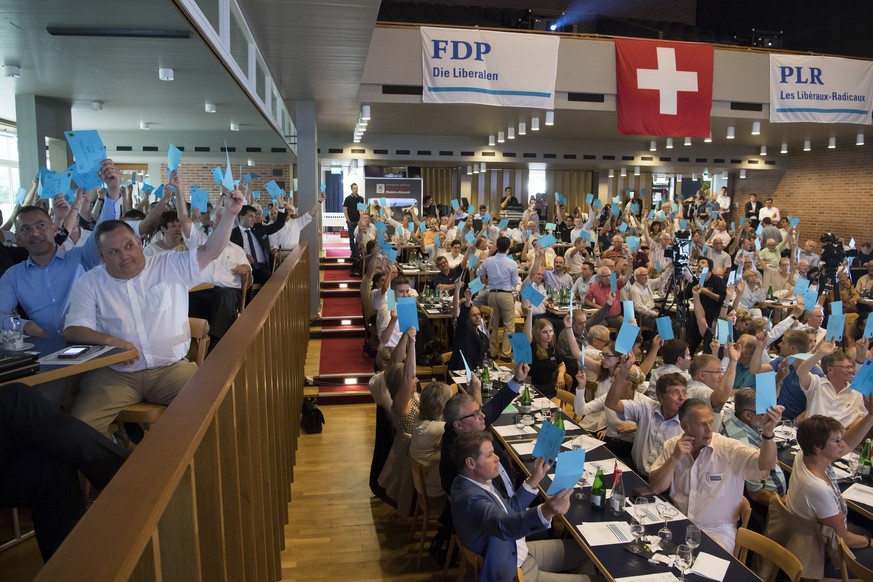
(627, 336)
(535, 297)
(548, 443)
(521, 353)
(765, 391)
(407, 313)
(665, 328)
(571, 465)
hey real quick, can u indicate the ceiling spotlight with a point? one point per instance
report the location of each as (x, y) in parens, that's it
(708, 139)
(679, 177)
(669, 143)
(637, 171)
(763, 150)
(97, 105)
(252, 162)
(784, 148)
(482, 167)
(807, 146)
(550, 118)
(535, 123)
(612, 173)
(144, 125)
(510, 133)
(653, 146)
(730, 132)
(209, 107)
(724, 175)
(165, 74)
(742, 174)
(475, 168)
(756, 128)
(365, 113)
(859, 139)
(693, 176)
(832, 143)
(624, 172)
(492, 141)
(522, 128)
(469, 170)
(13, 71)
(500, 137)
(357, 139)
(688, 141)
(234, 126)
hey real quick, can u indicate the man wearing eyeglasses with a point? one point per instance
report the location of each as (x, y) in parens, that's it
(710, 384)
(832, 395)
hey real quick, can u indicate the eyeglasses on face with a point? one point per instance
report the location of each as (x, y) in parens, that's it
(476, 413)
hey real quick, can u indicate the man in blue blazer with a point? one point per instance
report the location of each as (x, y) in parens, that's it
(494, 527)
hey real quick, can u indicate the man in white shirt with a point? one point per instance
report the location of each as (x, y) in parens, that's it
(288, 237)
(706, 472)
(720, 259)
(677, 360)
(641, 294)
(709, 383)
(769, 211)
(586, 278)
(386, 321)
(140, 304)
(724, 204)
(832, 395)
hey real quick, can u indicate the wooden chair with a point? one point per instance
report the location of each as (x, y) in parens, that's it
(486, 313)
(422, 505)
(147, 413)
(475, 561)
(567, 399)
(848, 563)
(745, 512)
(747, 541)
(246, 283)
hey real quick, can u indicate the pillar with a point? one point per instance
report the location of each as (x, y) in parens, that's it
(309, 188)
(38, 118)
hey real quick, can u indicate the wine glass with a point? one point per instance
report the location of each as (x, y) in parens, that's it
(692, 537)
(641, 507)
(637, 530)
(684, 559)
(580, 486)
(10, 325)
(666, 512)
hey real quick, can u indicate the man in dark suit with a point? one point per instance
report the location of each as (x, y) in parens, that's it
(753, 207)
(253, 237)
(494, 525)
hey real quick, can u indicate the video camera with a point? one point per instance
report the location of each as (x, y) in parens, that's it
(680, 251)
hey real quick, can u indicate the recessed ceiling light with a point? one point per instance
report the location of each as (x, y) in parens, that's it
(144, 125)
(234, 126)
(166, 74)
(11, 71)
(209, 107)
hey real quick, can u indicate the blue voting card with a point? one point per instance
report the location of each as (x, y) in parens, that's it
(383, 202)
(863, 380)
(702, 280)
(407, 314)
(551, 226)
(455, 204)
(868, 328)
(810, 299)
(70, 196)
(521, 353)
(217, 175)
(760, 230)
(390, 301)
(836, 307)
(380, 239)
(571, 465)
(723, 331)
(633, 243)
(617, 199)
(548, 443)
(227, 179)
(470, 237)
(665, 328)
(801, 356)
(852, 243)
(486, 220)
(627, 336)
(199, 198)
(472, 260)
(249, 177)
(758, 244)
(765, 391)
(275, 191)
(436, 241)
(585, 234)
(794, 221)
(589, 198)
(475, 285)
(628, 310)
(467, 371)
(674, 207)
(613, 286)
(391, 254)
(380, 226)
(683, 224)
(87, 180)
(422, 226)
(54, 184)
(597, 204)
(836, 324)
(19, 197)
(732, 278)
(362, 207)
(546, 240)
(801, 286)
(733, 227)
(658, 265)
(616, 210)
(560, 198)
(503, 223)
(651, 214)
(88, 149)
(622, 227)
(532, 295)
(256, 195)
(174, 156)
(159, 192)
(133, 177)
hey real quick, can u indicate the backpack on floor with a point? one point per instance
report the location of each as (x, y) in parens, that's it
(357, 269)
(312, 417)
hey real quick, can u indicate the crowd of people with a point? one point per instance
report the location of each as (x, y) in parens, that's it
(681, 412)
(108, 270)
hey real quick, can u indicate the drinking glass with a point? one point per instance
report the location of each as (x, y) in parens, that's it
(580, 487)
(692, 537)
(666, 512)
(642, 508)
(684, 559)
(10, 326)
(637, 530)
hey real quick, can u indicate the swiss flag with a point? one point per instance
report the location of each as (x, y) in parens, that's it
(663, 88)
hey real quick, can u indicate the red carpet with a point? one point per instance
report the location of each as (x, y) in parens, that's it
(339, 306)
(337, 252)
(344, 356)
(337, 275)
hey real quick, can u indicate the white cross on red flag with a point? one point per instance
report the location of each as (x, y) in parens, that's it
(663, 88)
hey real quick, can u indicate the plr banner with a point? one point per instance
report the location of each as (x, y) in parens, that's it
(488, 68)
(820, 89)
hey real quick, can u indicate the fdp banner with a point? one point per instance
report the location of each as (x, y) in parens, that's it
(820, 89)
(488, 68)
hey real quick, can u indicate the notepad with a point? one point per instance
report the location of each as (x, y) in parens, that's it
(605, 533)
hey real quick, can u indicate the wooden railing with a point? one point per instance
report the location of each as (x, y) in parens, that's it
(204, 497)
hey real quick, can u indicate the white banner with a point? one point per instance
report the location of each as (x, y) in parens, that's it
(489, 68)
(820, 89)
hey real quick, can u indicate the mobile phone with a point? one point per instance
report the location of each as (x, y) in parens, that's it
(72, 352)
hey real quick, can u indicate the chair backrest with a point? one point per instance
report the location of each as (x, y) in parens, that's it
(246, 283)
(476, 561)
(748, 540)
(418, 477)
(745, 512)
(848, 563)
(486, 313)
(445, 357)
(199, 340)
(567, 399)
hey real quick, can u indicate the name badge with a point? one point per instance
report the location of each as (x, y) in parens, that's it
(713, 477)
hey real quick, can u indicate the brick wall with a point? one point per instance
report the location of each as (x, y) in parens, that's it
(200, 175)
(830, 190)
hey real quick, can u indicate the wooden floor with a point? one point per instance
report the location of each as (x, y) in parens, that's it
(337, 530)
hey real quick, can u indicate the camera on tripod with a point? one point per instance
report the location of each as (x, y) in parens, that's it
(680, 251)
